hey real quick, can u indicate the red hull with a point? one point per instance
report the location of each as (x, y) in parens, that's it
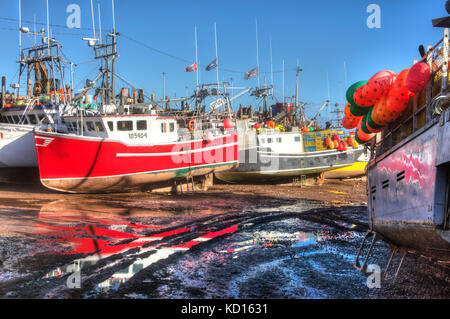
(85, 164)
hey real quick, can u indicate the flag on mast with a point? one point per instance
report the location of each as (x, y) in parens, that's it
(192, 67)
(212, 65)
(253, 73)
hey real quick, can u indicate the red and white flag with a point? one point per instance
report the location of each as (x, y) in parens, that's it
(192, 67)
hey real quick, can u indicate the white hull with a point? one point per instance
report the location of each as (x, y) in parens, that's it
(17, 146)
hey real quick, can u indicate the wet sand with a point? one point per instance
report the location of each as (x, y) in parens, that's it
(234, 241)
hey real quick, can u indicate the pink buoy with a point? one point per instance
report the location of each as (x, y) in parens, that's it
(382, 81)
(228, 124)
(418, 77)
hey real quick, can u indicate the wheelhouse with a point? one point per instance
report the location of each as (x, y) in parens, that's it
(134, 129)
(35, 115)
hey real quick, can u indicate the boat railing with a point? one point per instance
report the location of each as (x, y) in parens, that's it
(424, 107)
(30, 103)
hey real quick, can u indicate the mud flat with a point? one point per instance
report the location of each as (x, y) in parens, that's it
(234, 241)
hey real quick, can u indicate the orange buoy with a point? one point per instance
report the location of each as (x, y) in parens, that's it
(350, 140)
(363, 136)
(362, 98)
(349, 123)
(192, 125)
(329, 143)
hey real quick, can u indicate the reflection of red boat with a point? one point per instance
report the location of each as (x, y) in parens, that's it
(112, 160)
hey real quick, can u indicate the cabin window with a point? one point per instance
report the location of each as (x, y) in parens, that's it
(269, 140)
(32, 119)
(141, 125)
(278, 139)
(171, 127)
(163, 127)
(263, 140)
(124, 125)
(297, 138)
(16, 119)
(90, 126)
(99, 126)
(111, 125)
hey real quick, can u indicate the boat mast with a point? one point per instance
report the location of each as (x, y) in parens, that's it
(114, 53)
(217, 56)
(302, 112)
(257, 51)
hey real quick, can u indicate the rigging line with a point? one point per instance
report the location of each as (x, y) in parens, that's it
(44, 24)
(134, 87)
(185, 60)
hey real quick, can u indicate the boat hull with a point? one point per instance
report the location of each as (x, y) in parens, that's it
(84, 164)
(408, 191)
(259, 165)
(17, 146)
(358, 169)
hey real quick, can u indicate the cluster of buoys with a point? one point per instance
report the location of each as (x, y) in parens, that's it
(270, 125)
(341, 145)
(374, 103)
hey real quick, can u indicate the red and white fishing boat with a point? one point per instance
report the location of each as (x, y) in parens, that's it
(117, 152)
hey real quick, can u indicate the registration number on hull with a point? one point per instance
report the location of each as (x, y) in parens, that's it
(133, 136)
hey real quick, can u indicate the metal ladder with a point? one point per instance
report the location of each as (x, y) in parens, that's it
(394, 250)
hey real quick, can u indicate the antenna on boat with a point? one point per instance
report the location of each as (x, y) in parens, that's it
(93, 19)
(328, 87)
(217, 57)
(99, 23)
(34, 27)
(302, 112)
(20, 30)
(48, 30)
(113, 68)
(196, 55)
(113, 16)
(296, 84)
(283, 83)
(257, 52)
(271, 64)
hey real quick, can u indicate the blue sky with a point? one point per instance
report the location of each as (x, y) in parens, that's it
(321, 34)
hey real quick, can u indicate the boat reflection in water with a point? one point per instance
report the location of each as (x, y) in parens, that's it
(104, 231)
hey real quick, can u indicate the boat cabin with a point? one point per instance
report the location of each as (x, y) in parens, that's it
(281, 142)
(133, 129)
(30, 115)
